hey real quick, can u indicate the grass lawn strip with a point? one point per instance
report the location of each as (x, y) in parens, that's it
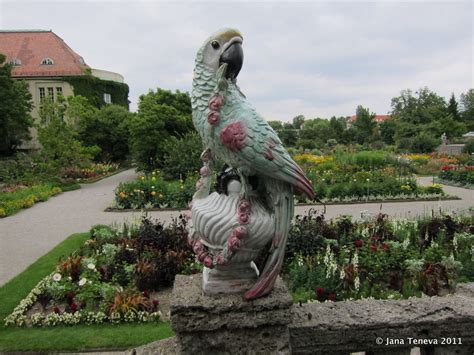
(66, 338)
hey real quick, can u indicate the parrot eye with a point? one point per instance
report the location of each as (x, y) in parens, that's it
(215, 44)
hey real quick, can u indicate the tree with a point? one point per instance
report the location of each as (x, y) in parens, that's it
(422, 107)
(424, 143)
(364, 125)
(60, 146)
(188, 160)
(107, 128)
(15, 105)
(388, 129)
(467, 109)
(298, 121)
(276, 125)
(161, 115)
(453, 108)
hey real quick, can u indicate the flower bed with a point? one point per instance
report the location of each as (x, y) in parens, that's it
(153, 191)
(360, 177)
(91, 173)
(378, 258)
(459, 176)
(16, 197)
(112, 278)
(363, 176)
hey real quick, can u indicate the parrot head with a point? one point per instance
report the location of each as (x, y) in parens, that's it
(223, 47)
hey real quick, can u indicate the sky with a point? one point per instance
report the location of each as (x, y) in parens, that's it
(319, 58)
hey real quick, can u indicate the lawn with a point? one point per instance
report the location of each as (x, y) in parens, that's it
(64, 338)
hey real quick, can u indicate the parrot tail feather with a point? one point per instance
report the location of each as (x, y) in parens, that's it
(280, 195)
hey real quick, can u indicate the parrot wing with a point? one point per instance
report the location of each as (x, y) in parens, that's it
(254, 144)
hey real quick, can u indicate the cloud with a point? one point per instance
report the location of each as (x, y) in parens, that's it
(317, 58)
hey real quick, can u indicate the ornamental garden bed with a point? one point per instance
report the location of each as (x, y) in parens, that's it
(17, 197)
(114, 277)
(460, 176)
(20, 193)
(81, 337)
(378, 258)
(358, 178)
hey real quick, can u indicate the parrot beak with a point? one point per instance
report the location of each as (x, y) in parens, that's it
(233, 55)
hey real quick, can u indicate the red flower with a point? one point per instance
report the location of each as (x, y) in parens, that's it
(446, 167)
(243, 218)
(240, 232)
(233, 243)
(198, 247)
(208, 262)
(73, 307)
(358, 243)
(385, 247)
(70, 297)
(56, 310)
(213, 117)
(146, 294)
(220, 259)
(373, 247)
(320, 293)
(216, 101)
(156, 303)
(332, 296)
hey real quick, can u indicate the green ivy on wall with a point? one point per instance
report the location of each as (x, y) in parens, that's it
(94, 88)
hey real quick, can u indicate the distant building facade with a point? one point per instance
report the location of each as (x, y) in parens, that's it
(51, 68)
(378, 118)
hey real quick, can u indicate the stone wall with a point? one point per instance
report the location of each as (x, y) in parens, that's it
(273, 325)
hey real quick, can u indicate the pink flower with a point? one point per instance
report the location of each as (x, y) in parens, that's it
(216, 101)
(198, 247)
(233, 243)
(243, 218)
(208, 262)
(244, 206)
(201, 256)
(213, 117)
(204, 171)
(240, 232)
(220, 259)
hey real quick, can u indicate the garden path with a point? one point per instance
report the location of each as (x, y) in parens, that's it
(29, 234)
(32, 232)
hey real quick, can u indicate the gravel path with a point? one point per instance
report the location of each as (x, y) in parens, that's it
(31, 233)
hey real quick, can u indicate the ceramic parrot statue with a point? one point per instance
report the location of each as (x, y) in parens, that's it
(235, 133)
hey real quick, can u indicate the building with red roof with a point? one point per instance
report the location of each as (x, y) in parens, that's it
(378, 118)
(51, 68)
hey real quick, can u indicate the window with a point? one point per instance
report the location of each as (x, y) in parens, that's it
(59, 91)
(15, 62)
(41, 94)
(47, 61)
(107, 98)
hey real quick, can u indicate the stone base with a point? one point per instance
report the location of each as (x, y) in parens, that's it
(234, 278)
(228, 324)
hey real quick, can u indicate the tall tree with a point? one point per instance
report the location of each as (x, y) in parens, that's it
(15, 107)
(453, 108)
(422, 107)
(364, 125)
(161, 115)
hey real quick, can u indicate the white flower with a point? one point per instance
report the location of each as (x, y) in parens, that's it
(91, 266)
(82, 281)
(57, 277)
